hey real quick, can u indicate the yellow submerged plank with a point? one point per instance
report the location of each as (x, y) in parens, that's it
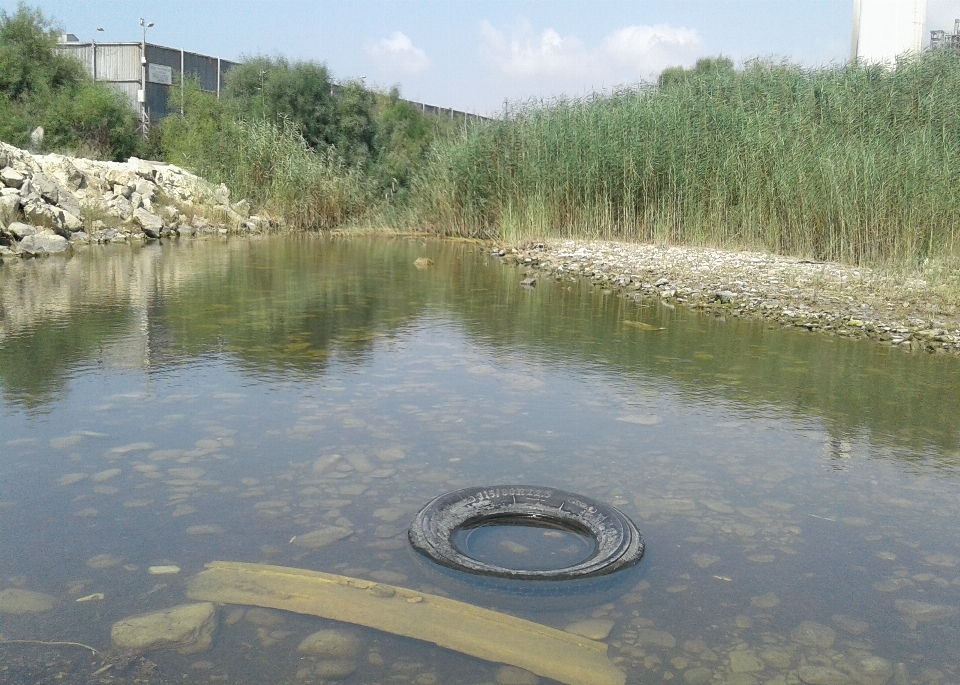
(462, 627)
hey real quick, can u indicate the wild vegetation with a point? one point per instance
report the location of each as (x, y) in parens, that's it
(854, 163)
(313, 152)
(39, 87)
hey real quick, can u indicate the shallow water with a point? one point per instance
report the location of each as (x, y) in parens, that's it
(177, 404)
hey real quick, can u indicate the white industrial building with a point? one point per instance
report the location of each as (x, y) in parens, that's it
(886, 29)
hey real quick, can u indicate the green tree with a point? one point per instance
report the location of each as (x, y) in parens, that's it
(41, 87)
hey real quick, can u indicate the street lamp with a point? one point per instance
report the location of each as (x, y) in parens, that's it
(144, 116)
(93, 46)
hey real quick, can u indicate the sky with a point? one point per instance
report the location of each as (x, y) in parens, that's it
(473, 55)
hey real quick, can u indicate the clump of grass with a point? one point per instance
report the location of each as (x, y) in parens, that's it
(305, 187)
(265, 161)
(853, 163)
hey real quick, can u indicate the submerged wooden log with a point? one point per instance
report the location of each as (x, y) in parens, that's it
(465, 628)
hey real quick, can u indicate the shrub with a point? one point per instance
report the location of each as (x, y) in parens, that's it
(40, 87)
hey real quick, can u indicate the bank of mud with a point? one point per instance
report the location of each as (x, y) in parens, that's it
(824, 297)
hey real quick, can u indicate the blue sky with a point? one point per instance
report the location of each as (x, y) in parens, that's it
(474, 54)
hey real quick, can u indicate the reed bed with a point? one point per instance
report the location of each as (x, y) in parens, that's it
(303, 186)
(853, 163)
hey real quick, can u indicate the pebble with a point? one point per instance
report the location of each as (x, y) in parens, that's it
(163, 570)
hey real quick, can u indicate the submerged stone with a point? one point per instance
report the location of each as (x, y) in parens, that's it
(595, 629)
(813, 635)
(767, 601)
(873, 670)
(922, 612)
(334, 669)
(102, 561)
(322, 537)
(822, 675)
(187, 628)
(851, 624)
(511, 675)
(331, 644)
(698, 676)
(658, 638)
(17, 602)
(743, 661)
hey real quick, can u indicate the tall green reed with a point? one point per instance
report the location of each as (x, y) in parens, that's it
(853, 163)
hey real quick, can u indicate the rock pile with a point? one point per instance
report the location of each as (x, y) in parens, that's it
(48, 203)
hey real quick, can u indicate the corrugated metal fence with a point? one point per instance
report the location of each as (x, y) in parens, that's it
(120, 64)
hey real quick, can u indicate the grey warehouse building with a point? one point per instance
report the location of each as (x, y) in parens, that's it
(121, 65)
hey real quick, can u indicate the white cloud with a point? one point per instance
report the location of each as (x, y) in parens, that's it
(398, 54)
(650, 48)
(626, 55)
(525, 54)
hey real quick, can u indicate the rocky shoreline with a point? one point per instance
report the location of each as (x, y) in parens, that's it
(825, 297)
(50, 203)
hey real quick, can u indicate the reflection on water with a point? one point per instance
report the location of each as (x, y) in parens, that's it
(296, 400)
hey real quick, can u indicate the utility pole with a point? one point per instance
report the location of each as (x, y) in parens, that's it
(93, 47)
(142, 95)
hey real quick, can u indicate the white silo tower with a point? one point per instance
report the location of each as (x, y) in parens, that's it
(885, 29)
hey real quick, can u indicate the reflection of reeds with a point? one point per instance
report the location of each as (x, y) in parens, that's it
(850, 163)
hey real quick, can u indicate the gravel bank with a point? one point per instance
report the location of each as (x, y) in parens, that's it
(818, 296)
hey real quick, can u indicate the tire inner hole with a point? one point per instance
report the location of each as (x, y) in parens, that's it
(523, 543)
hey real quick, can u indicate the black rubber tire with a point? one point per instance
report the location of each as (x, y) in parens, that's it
(617, 540)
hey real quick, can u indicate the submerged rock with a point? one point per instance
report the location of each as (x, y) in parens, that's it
(873, 670)
(331, 644)
(322, 537)
(822, 675)
(813, 635)
(334, 669)
(187, 628)
(594, 629)
(851, 624)
(511, 675)
(922, 612)
(17, 602)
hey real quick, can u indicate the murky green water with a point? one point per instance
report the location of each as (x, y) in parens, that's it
(178, 404)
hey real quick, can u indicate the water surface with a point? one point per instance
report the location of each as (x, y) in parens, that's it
(180, 403)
